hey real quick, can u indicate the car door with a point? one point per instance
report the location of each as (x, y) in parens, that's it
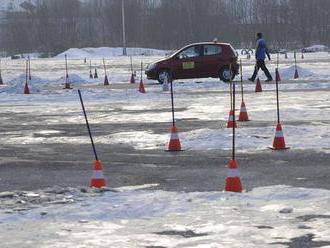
(187, 63)
(211, 60)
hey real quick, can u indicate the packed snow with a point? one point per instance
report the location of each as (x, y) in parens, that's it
(269, 216)
(145, 216)
(106, 52)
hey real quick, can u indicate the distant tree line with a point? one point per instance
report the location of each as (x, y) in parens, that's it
(55, 25)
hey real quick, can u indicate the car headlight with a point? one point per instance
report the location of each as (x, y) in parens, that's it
(151, 66)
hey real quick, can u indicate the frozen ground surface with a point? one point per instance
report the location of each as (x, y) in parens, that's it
(44, 143)
(277, 216)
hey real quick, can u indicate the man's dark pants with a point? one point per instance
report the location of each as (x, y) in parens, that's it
(260, 65)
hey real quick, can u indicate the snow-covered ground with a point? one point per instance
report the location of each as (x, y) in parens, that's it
(276, 216)
(101, 52)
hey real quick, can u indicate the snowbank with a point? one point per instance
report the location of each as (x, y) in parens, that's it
(288, 73)
(16, 85)
(315, 48)
(101, 52)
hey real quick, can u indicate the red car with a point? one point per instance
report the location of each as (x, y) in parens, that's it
(199, 60)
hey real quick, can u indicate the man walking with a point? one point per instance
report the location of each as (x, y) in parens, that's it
(261, 52)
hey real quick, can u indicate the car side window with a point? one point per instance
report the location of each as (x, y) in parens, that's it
(190, 52)
(212, 50)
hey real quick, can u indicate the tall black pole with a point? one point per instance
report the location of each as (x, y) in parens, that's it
(29, 67)
(131, 64)
(104, 66)
(26, 71)
(66, 69)
(233, 97)
(172, 101)
(87, 124)
(241, 72)
(277, 101)
(141, 69)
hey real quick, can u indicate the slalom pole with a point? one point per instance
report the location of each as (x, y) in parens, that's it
(132, 80)
(141, 69)
(87, 124)
(141, 86)
(243, 115)
(106, 81)
(97, 180)
(26, 71)
(66, 67)
(29, 68)
(90, 69)
(67, 83)
(279, 142)
(277, 101)
(231, 93)
(26, 87)
(172, 102)
(296, 75)
(233, 181)
(241, 72)
(174, 144)
(231, 122)
(233, 105)
(1, 81)
(131, 64)
(104, 67)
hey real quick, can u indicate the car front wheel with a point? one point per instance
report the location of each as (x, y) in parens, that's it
(164, 75)
(225, 74)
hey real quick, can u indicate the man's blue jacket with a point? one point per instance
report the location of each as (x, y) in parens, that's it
(261, 50)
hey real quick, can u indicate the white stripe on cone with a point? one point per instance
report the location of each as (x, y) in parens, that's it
(174, 136)
(279, 134)
(233, 173)
(97, 174)
(243, 109)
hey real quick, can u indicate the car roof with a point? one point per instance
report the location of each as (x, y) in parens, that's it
(208, 43)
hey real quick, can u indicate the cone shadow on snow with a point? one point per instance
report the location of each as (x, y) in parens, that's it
(313, 216)
(304, 241)
(185, 234)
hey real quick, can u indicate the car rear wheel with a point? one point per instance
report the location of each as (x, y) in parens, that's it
(225, 74)
(164, 75)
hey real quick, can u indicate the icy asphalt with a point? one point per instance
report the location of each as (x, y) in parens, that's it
(35, 166)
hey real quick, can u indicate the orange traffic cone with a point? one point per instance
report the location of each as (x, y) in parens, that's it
(91, 75)
(258, 86)
(231, 120)
(296, 75)
(279, 142)
(278, 77)
(106, 81)
(233, 181)
(98, 180)
(286, 56)
(302, 56)
(26, 89)
(243, 115)
(1, 81)
(95, 74)
(174, 144)
(141, 87)
(132, 81)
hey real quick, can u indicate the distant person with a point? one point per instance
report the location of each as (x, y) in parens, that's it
(261, 52)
